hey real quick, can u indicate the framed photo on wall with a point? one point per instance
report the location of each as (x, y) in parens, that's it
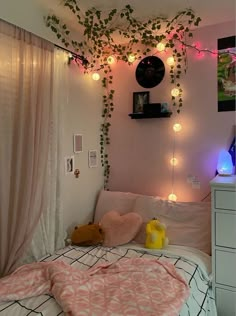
(92, 158)
(139, 99)
(69, 165)
(78, 143)
(226, 76)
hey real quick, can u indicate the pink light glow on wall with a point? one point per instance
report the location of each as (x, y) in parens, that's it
(140, 150)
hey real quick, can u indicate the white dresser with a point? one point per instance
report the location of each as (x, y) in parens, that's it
(223, 201)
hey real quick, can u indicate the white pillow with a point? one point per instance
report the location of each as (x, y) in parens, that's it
(188, 223)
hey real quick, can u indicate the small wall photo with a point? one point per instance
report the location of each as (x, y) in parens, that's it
(92, 158)
(78, 143)
(69, 165)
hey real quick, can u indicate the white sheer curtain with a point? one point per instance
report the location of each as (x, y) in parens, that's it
(28, 150)
(49, 234)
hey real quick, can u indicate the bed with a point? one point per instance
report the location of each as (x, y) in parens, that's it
(192, 264)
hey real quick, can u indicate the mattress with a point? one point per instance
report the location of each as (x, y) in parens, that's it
(192, 264)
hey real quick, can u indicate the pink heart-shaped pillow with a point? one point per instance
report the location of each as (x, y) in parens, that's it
(120, 229)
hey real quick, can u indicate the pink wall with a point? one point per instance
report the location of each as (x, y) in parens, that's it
(140, 150)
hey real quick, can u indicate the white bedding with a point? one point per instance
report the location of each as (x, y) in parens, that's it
(197, 256)
(192, 264)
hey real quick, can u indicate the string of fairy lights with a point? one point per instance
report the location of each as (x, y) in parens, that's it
(177, 127)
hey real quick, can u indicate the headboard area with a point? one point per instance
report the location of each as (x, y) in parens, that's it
(188, 223)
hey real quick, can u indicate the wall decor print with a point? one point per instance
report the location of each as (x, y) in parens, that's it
(92, 158)
(226, 74)
(69, 165)
(78, 143)
(139, 99)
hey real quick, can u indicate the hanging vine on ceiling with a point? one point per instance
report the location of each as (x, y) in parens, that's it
(121, 34)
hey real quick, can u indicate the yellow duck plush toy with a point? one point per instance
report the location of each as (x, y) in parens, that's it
(156, 235)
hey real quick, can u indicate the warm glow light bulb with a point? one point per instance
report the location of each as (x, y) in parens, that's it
(175, 92)
(170, 61)
(95, 76)
(111, 60)
(174, 161)
(131, 58)
(177, 127)
(160, 47)
(172, 197)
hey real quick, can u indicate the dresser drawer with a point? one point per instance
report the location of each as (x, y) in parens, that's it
(225, 200)
(225, 268)
(225, 232)
(225, 302)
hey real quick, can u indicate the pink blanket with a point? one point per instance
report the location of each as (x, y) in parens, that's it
(135, 286)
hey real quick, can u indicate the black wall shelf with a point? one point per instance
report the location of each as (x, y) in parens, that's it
(149, 115)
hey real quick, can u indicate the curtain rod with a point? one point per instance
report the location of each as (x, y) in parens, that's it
(83, 60)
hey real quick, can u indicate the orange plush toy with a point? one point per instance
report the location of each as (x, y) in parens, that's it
(87, 235)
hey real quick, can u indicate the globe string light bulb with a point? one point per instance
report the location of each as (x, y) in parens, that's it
(174, 161)
(177, 127)
(172, 197)
(160, 47)
(170, 61)
(131, 58)
(95, 76)
(111, 60)
(175, 92)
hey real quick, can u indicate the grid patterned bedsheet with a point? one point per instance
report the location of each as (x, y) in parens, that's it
(200, 302)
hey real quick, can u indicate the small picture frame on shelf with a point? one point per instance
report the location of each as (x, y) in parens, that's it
(164, 108)
(139, 99)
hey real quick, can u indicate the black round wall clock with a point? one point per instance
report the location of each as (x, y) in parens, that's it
(150, 72)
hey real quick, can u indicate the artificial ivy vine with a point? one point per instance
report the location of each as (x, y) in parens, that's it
(100, 33)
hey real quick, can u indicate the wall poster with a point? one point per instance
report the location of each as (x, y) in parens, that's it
(226, 74)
